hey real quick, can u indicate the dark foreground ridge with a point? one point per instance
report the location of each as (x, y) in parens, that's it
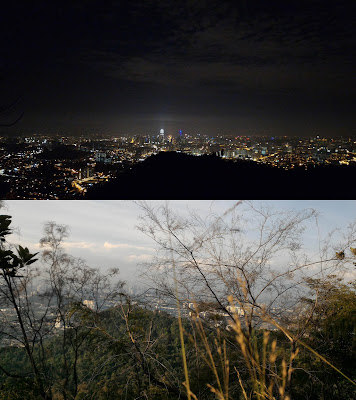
(182, 176)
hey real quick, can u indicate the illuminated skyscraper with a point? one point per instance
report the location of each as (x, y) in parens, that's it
(161, 136)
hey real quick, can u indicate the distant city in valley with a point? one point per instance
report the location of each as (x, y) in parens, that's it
(44, 166)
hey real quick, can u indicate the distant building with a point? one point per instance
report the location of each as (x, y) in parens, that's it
(236, 310)
(102, 157)
(89, 304)
(58, 323)
(161, 136)
(85, 173)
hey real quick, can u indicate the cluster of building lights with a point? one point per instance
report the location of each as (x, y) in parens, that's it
(34, 170)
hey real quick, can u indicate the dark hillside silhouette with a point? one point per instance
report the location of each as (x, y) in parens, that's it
(181, 176)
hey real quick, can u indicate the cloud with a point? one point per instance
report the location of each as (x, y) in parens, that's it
(97, 246)
(105, 246)
(249, 45)
(78, 245)
(259, 72)
(65, 245)
(110, 246)
(138, 258)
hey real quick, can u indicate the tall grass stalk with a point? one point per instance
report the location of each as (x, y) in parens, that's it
(291, 337)
(181, 331)
(266, 377)
(222, 392)
(269, 378)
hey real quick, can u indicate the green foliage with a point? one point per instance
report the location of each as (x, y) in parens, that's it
(10, 262)
(108, 367)
(332, 332)
(5, 221)
(25, 256)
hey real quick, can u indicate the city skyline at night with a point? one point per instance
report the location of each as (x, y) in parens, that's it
(115, 167)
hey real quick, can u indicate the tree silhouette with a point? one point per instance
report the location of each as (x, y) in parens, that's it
(6, 109)
(50, 303)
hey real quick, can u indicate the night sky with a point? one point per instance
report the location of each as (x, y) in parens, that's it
(239, 67)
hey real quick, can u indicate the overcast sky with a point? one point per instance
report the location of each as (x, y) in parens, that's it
(103, 232)
(209, 66)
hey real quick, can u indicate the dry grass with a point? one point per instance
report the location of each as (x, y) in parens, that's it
(269, 374)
